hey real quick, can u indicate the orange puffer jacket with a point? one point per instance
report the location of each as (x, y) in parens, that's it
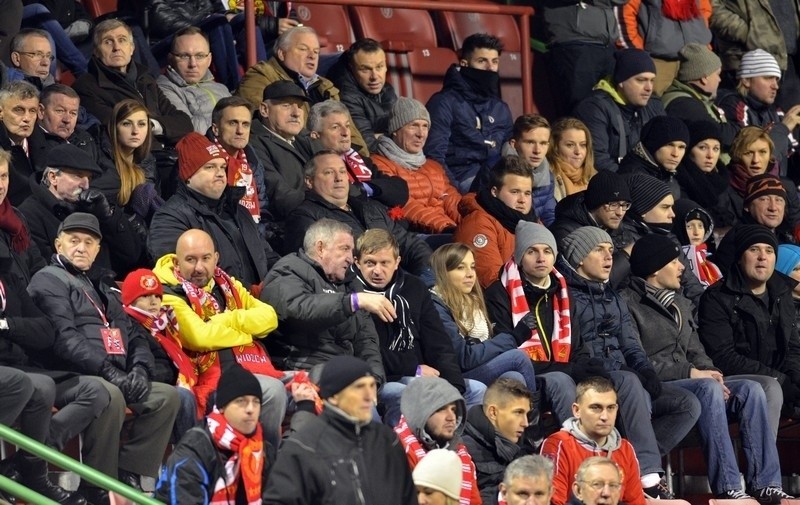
(491, 243)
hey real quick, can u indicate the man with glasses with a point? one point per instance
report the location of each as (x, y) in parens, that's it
(31, 56)
(591, 432)
(598, 481)
(188, 82)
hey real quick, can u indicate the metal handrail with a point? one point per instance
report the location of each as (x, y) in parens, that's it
(524, 13)
(63, 461)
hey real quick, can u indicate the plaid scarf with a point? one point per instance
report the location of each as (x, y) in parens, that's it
(411, 444)
(203, 302)
(247, 459)
(357, 170)
(240, 174)
(537, 346)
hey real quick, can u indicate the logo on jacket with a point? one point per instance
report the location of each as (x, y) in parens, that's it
(480, 241)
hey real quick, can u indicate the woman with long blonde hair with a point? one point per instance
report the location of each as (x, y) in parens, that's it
(571, 156)
(458, 297)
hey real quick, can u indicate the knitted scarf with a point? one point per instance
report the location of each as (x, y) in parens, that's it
(411, 444)
(403, 328)
(507, 216)
(388, 148)
(666, 297)
(13, 225)
(740, 175)
(247, 459)
(680, 10)
(537, 347)
(706, 272)
(357, 170)
(165, 331)
(241, 174)
(203, 302)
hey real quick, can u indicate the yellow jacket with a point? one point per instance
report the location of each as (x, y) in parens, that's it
(230, 328)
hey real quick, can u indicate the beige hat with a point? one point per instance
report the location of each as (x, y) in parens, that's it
(440, 469)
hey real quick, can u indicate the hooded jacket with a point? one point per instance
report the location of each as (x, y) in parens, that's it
(196, 100)
(615, 126)
(570, 446)
(468, 128)
(640, 160)
(571, 214)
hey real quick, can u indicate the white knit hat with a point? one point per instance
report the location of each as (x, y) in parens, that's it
(440, 470)
(758, 63)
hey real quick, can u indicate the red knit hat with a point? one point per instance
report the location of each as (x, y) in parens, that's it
(141, 282)
(194, 151)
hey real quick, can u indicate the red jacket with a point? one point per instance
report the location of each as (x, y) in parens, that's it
(432, 201)
(491, 243)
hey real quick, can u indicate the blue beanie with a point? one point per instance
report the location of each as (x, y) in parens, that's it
(630, 62)
(788, 258)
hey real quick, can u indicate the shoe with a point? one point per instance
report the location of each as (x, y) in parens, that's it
(8, 470)
(771, 495)
(736, 494)
(94, 495)
(658, 492)
(131, 479)
(34, 476)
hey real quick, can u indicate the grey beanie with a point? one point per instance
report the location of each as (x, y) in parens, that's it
(406, 110)
(697, 61)
(526, 234)
(578, 244)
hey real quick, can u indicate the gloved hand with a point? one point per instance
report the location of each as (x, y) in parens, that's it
(651, 382)
(522, 331)
(791, 393)
(138, 385)
(94, 202)
(592, 368)
(115, 376)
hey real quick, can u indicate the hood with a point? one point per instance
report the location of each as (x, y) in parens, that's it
(469, 204)
(422, 398)
(480, 428)
(607, 86)
(572, 208)
(176, 78)
(683, 207)
(164, 270)
(612, 441)
(575, 281)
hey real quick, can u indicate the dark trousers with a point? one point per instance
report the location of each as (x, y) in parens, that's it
(574, 69)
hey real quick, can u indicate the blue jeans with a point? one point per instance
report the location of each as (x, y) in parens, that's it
(187, 414)
(558, 390)
(390, 394)
(513, 364)
(748, 404)
(37, 16)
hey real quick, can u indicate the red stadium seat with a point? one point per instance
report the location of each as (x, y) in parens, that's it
(97, 8)
(331, 23)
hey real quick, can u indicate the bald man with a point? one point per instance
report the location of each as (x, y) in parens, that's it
(220, 320)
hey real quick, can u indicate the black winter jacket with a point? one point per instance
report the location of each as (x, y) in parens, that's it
(571, 214)
(364, 214)
(23, 166)
(743, 336)
(640, 160)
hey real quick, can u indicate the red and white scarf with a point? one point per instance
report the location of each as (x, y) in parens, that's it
(241, 174)
(357, 170)
(411, 444)
(203, 302)
(706, 272)
(561, 339)
(247, 459)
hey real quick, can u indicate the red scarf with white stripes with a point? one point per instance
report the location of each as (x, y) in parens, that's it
(241, 174)
(203, 302)
(561, 339)
(411, 444)
(247, 459)
(357, 170)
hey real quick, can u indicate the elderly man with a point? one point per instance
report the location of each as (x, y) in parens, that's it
(218, 317)
(296, 59)
(114, 76)
(597, 481)
(360, 75)
(59, 110)
(340, 456)
(31, 56)
(329, 196)
(19, 105)
(525, 478)
(204, 200)
(188, 83)
(329, 124)
(766, 202)
(319, 319)
(63, 188)
(95, 337)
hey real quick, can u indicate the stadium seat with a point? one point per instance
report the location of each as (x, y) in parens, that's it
(714, 501)
(454, 27)
(331, 23)
(97, 8)
(416, 65)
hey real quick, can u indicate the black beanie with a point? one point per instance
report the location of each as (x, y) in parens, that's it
(631, 62)
(339, 372)
(749, 234)
(605, 187)
(646, 192)
(652, 252)
(235, 382)
(702, 130)
(661, 130)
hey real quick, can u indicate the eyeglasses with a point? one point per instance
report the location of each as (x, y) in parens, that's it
(38, 55)
(617, 205)
(598, 485)
(186, 56)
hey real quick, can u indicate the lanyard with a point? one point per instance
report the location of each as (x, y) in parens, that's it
(97, 307)
(2, 297)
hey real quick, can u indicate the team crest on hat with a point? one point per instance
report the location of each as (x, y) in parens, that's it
(480, 241)
(212, 149)
(148, 282)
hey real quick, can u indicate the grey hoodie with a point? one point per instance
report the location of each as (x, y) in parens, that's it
(613, 440)
(422, 398)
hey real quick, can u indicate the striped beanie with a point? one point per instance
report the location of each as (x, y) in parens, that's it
(758, 63)
(646, 192)
(762, 185)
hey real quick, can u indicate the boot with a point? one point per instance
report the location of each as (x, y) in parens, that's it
(9, 470)
(131, 479)
(94, 495)
(34, 476)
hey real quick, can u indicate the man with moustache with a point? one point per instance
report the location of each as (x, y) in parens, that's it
(662, 320)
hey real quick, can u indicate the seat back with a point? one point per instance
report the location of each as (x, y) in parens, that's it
(715, 501)
(332, 24)
(97, 8)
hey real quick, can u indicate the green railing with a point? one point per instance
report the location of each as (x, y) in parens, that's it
(86, 473)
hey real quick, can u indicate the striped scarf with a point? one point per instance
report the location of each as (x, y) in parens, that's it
(666, 297)
(240, 173)
(411, 444)
(247, 459)
(203, 302)
(537, 347)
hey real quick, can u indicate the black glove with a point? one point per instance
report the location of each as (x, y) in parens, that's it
(585, 369)
(522, 331)
(791, 393)
(95, 202)
(115, 376)
(651, 382)
(138, 384)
